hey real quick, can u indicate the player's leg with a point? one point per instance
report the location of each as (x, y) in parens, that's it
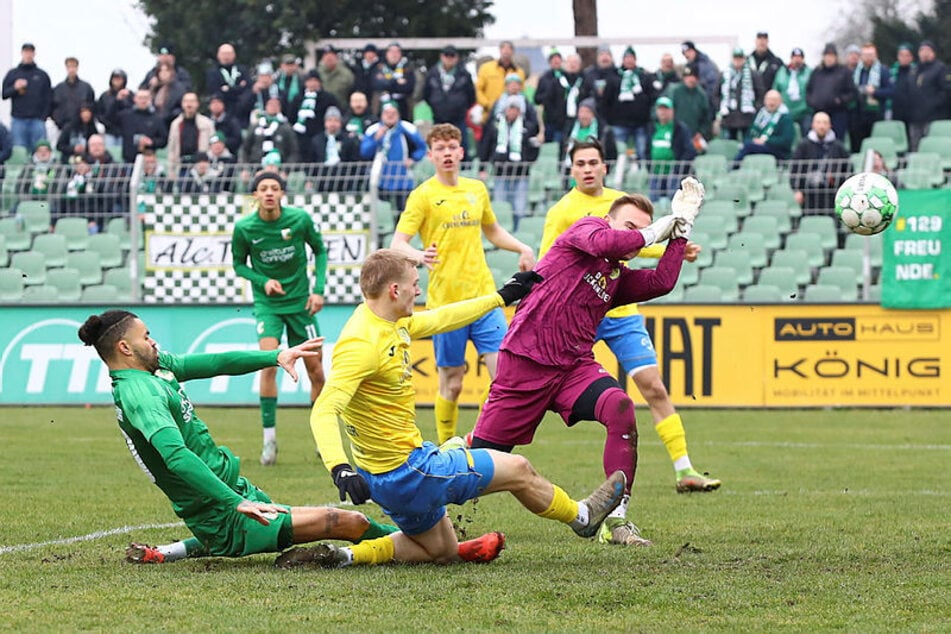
(450, 353)
(301, 327)
(628, 339)
(138, 553)
(313, 523)
(270, 327)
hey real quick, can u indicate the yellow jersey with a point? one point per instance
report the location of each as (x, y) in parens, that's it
(452, 218)
(371, 388)
(574, 206)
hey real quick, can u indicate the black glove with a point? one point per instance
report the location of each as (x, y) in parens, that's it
(518, 286)
(349, 481)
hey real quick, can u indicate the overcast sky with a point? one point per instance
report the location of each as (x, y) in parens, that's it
(105, 34)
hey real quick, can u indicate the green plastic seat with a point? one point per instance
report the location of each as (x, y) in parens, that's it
(89, 265)
(809, 242)
(941, 127)
(895, 130)
(710, 167)
(54, 248)
(827, 294)
(121, 279)
(506, 261)
(922, 171)
(767, 227)
(32, 265)
(109, 248)
(850, 259)
(737, 260)
(723, 277)
(704, 294)
(41, 294)
(75, 230)
(840, 276)
(35, 215)
(11, 285)
(726, 148)
(797, 259)
(67, 283)
(940, 145)
(105, 294)
(823, 226)
(884, 146)
(778, 210)
(782, 278)
(16, 237)
(762, 294)
(856, 242)
(4, 252)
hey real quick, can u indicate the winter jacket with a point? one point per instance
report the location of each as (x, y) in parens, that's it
(830, 89)
(37, 101)
(449, 106)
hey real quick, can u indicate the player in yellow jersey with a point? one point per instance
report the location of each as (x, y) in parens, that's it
(371, 389)
(451, 214)
(623, 328)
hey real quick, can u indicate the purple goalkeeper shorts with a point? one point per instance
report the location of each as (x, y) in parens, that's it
(523, 391)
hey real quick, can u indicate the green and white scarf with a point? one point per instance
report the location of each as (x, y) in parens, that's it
(630, 85)
(509, 139)
(874, 79)
(447, 77)
(733, 99)
(572, 92)
(306, 111)
(765, 122)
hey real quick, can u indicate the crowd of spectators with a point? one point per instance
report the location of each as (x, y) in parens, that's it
(339, 113)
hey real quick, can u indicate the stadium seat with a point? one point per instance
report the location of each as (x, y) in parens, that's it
(735, 259)
(109, 248)
(66, 282)
(507, 261)
(675, 296)
(75, 230)
(811, 243)
(726, 210)
(423, 285)
(33, 266)
(823, 226)
(19, 156)
(855, 242)
(121, 278)
(726, 148)
(101, 294)
(777, 209)
(724, 278)
(922, 171)
(874, 293)
(884, 146)
(767, 226)
(120, 227)
(762, 294)
(16, 237)
(738, 193)
(849, 259)
(549, 151)
(798, 260)
(715, 228)
(703, 294)
(840, 276)
(689, 274)
(709, 167)
(53, 247)
(826, 294)
(762, 164)
(751, 243)
(41, 294)
(35, 215)
(11, 285)
(89, 265)
(635, 180)
(895, 130)
(940, 145)
(941, 127)
(783, 278)
(4, 252)
(503, 212)
(705, 258)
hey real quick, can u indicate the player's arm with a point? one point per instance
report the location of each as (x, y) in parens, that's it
(600, 240)
(641, 285)
(316, 241)
(410, 222)
(203, 366)
(451, 316)
(353, 361)
(240, 252)
(501, 238)
(554, 227)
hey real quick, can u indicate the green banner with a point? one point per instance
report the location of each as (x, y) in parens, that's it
(916, 268)
(42, 360)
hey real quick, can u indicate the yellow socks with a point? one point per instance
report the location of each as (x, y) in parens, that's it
(373, 551)
(671, 432)
(562, 507)
(447, 415)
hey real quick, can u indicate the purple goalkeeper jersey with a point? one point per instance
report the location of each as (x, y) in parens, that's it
(584, 278)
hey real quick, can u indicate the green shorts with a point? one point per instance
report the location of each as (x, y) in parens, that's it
(300, 326)
(227, 533)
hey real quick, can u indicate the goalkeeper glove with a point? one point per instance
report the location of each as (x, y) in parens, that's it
(658, 231)
(688, 199)
(350, 482)
(518, 286)
(681, 229)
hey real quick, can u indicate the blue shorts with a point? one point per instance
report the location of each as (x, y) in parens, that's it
(628, 340)
(486, 334)
(415, 494)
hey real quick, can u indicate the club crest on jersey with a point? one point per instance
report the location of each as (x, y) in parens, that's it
(599, 284)
(286, 233)
(615, 273)
(403, 334)
(472, 199)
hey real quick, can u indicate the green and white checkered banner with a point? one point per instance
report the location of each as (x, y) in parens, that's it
(188, 246)
(916, 254)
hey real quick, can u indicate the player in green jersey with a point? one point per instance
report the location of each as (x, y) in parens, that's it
(227, 515)
(274, 238)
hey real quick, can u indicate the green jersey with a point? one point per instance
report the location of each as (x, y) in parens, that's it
(166, 437)
(277, 252)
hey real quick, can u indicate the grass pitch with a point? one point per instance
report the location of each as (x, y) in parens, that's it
(826, 520)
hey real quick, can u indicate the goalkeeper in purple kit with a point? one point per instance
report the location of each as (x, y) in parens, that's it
(546, 362)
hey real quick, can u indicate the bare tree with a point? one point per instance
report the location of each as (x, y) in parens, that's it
(586, 23)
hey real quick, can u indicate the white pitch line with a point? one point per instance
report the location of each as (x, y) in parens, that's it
(777, 445)
(85, 538)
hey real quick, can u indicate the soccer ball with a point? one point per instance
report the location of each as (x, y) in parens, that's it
(866, 203)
